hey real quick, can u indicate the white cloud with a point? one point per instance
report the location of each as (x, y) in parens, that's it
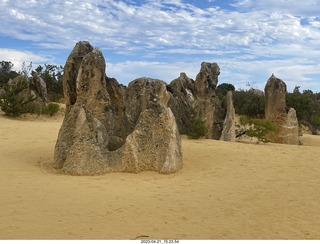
(237, 72)
(159, 37)
(152, 24)
(127, 71)
(195, 51)
(295, 7)
(294, 72)
(18, 57)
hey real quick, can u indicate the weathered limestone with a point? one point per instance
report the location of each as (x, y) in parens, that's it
(228, 132)
(31, 89)
(25, 92)
(111, 128)
(181, 102)
(205, 103)
(287, 124)
(71, 69)
(275, 92)
(188, 96)
(40, 86)
(207, 80)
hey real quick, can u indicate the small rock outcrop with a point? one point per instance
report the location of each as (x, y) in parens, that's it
(228, 132)
(206, 104)
(39, 86)
(287, 124)
(198, 97)
(181, 102)
(112, 128)
(207, 80)
(31, 89)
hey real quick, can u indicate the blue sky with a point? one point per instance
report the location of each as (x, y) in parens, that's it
(249, 39)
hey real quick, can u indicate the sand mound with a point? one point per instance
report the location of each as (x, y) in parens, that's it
(226, 190)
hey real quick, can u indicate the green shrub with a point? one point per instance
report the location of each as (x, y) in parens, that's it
(57, 97)
(315, 123)
(307, 106)
(51, 109)
(249, 103)
(258, 128)
(222, 90)
(12, 102)
(197, 127)
(37, 110)
(52, 76)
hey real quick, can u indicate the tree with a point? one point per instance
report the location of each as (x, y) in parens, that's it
(11, 101)
(249, 103)
(5, 67)
(223, 89)
(315, 123)
(303, 103)
(197, 127)
(6, 73)
(52, 76)
(26, 69)
(258, 128)
(307, 107)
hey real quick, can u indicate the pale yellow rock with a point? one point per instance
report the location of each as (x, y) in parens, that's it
(123, 130)
(287, 124)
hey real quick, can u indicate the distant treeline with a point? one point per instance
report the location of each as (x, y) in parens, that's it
(252, 102)
(51, 74)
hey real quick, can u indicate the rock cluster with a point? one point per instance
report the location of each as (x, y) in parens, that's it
(36, 87)
(112, 128)
(188, 96)
(287, 123)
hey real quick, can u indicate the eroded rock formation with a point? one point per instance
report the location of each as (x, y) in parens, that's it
(39, 86)
(189, 96)
(228, 133)
(109, 127)
(287, 124)
(35, 87)
(181, 102)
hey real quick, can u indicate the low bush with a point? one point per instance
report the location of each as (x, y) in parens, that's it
(12, 102)
(258, 128)
(197, 127)
(249, 103)
(51, 109)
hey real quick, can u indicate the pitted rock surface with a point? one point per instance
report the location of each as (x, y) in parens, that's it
(188, 96)
(112, 128)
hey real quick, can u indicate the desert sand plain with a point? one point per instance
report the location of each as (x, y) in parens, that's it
(226, 190)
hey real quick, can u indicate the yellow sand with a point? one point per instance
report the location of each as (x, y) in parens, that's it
(225, 190)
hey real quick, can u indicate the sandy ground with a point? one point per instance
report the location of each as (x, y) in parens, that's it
(226, 190)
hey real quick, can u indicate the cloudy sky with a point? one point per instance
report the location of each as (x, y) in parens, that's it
(249, 39)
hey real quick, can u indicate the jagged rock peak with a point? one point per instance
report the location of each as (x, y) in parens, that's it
(81, 49)
(71, 70)
(211, 71)
(207, 80)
